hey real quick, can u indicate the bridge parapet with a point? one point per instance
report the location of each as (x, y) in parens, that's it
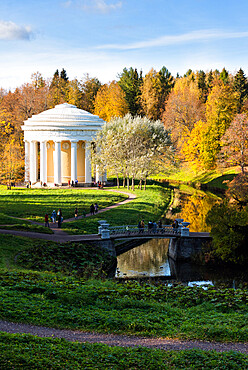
(134, 230)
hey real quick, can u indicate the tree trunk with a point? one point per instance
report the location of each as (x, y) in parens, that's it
(140, 184)
(127, 182)
(145, 184)
(124, 180)
(118, 182)
(133, 183)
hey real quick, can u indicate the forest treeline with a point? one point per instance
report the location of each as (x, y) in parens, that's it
(205, 112)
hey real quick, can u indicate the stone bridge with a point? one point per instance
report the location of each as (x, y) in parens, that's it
(183, 244)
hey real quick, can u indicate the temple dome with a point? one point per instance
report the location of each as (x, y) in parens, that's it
(64, 115)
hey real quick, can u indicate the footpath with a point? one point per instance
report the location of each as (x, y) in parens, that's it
(121, 340)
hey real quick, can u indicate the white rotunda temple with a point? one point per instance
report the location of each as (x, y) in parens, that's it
(57, 145)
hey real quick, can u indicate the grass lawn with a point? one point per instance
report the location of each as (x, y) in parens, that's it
(150, 204)
(33, 204)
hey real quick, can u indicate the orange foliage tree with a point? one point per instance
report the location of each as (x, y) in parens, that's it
(110, 102)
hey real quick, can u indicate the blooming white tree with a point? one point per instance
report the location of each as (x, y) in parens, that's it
(133, 147)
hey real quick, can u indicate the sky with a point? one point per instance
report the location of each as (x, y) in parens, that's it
(101, 37)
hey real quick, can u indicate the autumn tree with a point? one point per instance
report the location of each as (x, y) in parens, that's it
(131, 81)
(238, 190)
(155, 91)
(235, 143)
(110, 102)
(193, 147)
(183, 109)
(221, 107)
(89, 89)
(74, 93)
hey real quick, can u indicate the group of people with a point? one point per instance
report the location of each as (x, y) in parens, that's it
(94, 209)
(57, 216)
(54, 216)
(152, 226)
(73, 183)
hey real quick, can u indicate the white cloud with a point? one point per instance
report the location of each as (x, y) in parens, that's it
(102, 6)
(11, 31)
(201, 35)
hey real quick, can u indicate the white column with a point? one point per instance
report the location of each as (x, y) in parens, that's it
(33, 161)
(27, 161)
(57, 163)
(73, 161)
(43, 162)
(87, 165)
(98, 176)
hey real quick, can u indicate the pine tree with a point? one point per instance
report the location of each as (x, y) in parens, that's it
(240, 85)
(130, 82)
(202, 86)
(224, 76)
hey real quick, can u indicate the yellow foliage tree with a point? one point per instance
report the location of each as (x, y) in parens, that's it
(193, 147)
(110, 102)
(183, 109)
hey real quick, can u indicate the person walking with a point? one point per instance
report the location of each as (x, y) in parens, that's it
(46, 220)
(76, 213)
(92, 209)
(53, 216)
(96, 207)
(60, 218)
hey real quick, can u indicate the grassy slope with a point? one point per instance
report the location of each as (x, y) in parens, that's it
(215, 178)
(26, 351)
(149, 205)
(49, 299)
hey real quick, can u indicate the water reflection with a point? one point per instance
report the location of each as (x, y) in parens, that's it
(149, 259)
(195, 209)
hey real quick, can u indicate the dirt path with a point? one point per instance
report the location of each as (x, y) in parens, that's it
(121, 340)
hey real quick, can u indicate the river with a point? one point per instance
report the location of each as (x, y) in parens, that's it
(150, 259)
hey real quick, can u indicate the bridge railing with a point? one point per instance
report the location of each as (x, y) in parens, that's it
(134, 230)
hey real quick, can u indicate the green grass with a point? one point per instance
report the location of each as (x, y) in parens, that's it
(52, 300)
(11, 246)
(214, 178)
(26, 351)
(150, 204)
(33, 204)
(11, 223)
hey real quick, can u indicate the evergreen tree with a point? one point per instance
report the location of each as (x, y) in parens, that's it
(63, 75)
(210, 79)
(224, 76)
(202, 86)
(130, 82)
(240, 85)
